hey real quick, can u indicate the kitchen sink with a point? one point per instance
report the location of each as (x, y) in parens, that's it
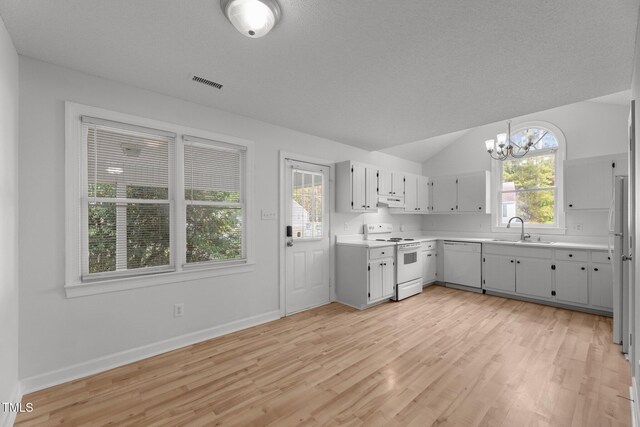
(522, 242)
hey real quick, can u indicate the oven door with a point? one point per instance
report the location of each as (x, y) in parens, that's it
(409, 264)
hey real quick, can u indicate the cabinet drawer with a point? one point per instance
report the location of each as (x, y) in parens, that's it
(571, 255)
(377, 253)
(602, 257)
(516, 251)
(427, 246)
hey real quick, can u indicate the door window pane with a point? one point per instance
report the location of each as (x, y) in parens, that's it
(307, 203)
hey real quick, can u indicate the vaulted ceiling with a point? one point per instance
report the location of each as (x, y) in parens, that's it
(370, 73)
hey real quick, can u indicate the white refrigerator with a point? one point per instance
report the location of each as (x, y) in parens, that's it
(619, 239)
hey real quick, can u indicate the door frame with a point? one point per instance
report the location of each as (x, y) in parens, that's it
(282, 211)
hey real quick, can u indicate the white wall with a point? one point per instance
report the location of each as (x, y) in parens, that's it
(8, 219)
(590, 128)
(57, 332)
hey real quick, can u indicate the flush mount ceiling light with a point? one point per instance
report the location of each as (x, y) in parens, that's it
(253, 18)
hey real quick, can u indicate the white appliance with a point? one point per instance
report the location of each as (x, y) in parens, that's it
(408, 260)
(619, 236)
(463, 263)
(408, 270)
(391, 201)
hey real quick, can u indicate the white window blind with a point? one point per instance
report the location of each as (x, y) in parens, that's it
(128, 199)
(215, 200)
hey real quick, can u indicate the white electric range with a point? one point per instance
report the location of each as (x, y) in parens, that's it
(407, 259)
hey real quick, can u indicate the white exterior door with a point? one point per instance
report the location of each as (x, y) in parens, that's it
(307, 262)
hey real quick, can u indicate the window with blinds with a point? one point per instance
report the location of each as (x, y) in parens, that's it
(128, 199)
(215, 200)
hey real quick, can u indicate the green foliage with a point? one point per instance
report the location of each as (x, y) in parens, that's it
(213, 233)
(532, 173)
(102, 237)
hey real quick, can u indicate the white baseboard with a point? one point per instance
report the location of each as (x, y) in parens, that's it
(8, 418)
(101, 364)
(635, 410)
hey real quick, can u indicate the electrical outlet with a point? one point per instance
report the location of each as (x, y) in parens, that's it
(178, 310)
(401, 227)
(346, 226)
(268, 215)
(578, 226)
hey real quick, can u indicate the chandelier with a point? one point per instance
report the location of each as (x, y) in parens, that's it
(504, 147)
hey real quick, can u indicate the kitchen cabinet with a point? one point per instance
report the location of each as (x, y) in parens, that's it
(588, 182)
(416, 194)
(499, 273)
(533, 277)
(601, 286)
(429, 266)
(474, 193)
(464, 193)
(572, 282)
(357, 189)
(390, 183)
(364, 276)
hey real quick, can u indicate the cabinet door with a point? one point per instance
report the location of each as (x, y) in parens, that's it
(410, 193)
(371, 189)
(443, 194)
(429, 266)
(472, 193)
(572, 282)
(533, 277)
(601, 286)
(376, 277)
(388, 277)
(385, 185)
(358, 188)
(499, 273)
(422, 196)
(588, 184)
(398, 183)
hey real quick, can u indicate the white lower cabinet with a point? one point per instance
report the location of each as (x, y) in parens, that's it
(380, 279)
(364, 276)
(578, 278)
(429, 266)
(572, 282)
(499, 273)
(533, 277)
(601, 286)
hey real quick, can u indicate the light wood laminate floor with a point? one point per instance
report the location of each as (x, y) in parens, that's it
(444, 357)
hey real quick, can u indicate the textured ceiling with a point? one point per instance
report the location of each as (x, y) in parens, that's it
(370, 73)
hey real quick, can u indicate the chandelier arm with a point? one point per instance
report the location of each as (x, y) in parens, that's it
(520, 156)
(540, 139)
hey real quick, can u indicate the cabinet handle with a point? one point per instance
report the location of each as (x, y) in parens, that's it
(570, 255)
(571, 205)
(382, 253)
(480, 207)
(511, 261)
(451, 208)
(595, 269)
(582, 268)
(518, 262)
(364, 206)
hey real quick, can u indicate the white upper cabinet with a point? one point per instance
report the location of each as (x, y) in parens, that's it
(357, 188)
(444, 194)
(422, 198)
(416, 194)
(588, 183)
(474, 193)
(465, 193)
(390, 183)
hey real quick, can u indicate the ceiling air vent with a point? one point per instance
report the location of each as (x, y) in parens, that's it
(206, 82)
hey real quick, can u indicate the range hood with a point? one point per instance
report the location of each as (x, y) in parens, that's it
(391, 201)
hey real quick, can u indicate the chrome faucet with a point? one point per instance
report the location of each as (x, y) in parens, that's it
(523, 236)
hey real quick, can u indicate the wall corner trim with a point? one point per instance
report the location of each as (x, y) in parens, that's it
(8, 418)
(104, 363)
(635, 408)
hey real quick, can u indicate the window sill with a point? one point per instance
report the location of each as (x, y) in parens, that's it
(75, 290)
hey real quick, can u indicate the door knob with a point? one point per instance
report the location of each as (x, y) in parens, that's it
(290, 243)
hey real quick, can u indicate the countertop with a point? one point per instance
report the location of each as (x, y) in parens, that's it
(359, 241)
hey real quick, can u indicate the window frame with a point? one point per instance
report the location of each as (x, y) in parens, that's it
(559, 226)
(75, 227)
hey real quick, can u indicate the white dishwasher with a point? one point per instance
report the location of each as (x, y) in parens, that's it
(463, 263)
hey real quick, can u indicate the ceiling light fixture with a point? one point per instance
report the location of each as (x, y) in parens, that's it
(253, 18)
(505, 147)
